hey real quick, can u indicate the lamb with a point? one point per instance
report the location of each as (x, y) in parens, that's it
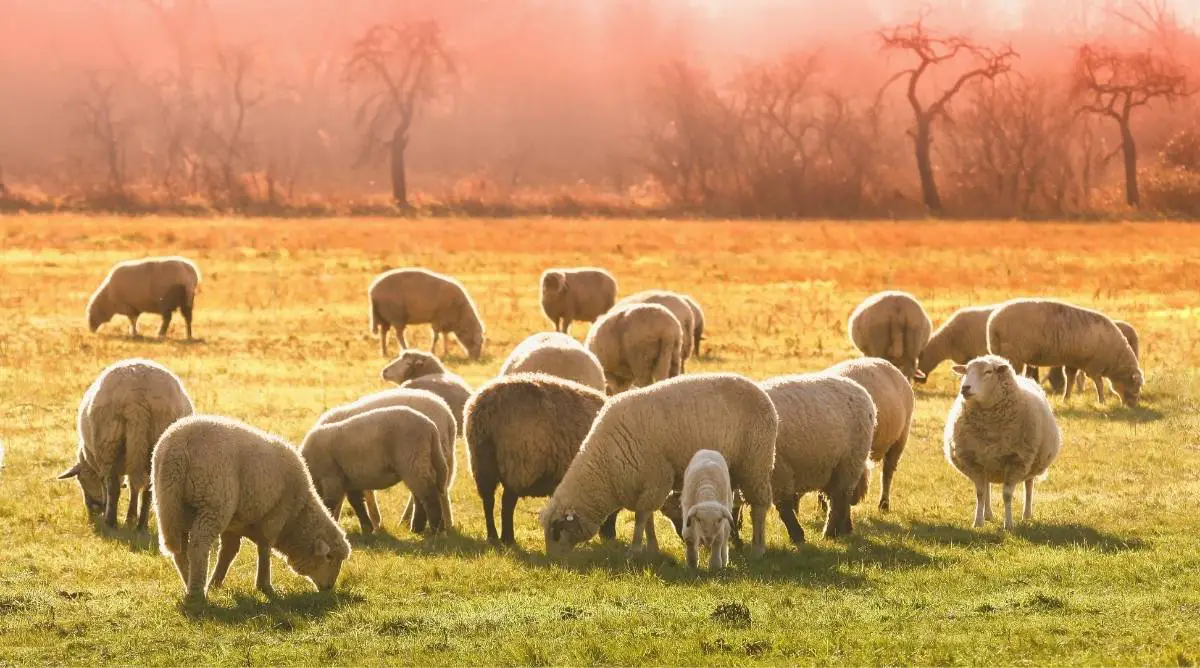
(558, 355)
(151, 285)
(698, 320)
(522, 432)
(678, 308)
(217, 477)
(424, 402)
(641, 443)
(403, 297)
(375, 450)
(962, 338)
(1044, 332)
(1000, 430)
(894, 401)
(419, 370)
(1058, 375)
(892, 325)
(636, 346)
(707, 504)
(826, 424)
(582, 293)
(123, 413)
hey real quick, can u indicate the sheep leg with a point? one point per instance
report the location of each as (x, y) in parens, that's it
(359, 504)
(651, 535)
(822, 503)
(758, 521)
(112, 496)
(1070, 385)
(133, 325)
(837, 522)
(987, 502)
(981, 502)
(608, 528)
(201, 538)
(407, 514)
(263, 580)
(1100, 394)
(144, 515)
(1008, 498)
(566, 328)
(445, 345)
(383, 333)
(186, 311)
(508, 505)
(419, 516)
(639, 528)
(230, 544)
(693, 550)
(401, 336)
(1028, 515)
(432, 504)
(717, 554)
(890, 462)
(433, 346)
(788, 515)
(131, 513)
(735, 533)
(181, 563)
(724, 553)
(373, 508)
(166, 324)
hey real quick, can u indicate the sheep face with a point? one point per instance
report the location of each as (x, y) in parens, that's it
(554, 284)
(99, 311)
(398, 370)
(89, 482)
(707, 524)
(985, 378)
(323, 564)
(564, 529)
(472, 340)
(1129, 386)
(411, 364)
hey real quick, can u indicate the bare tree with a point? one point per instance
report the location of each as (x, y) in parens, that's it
(401, 67)
(3, 188)
(103, 122)
(224, 129)
(933, 51)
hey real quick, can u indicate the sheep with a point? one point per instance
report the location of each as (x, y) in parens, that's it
(678, 307)
(892, 325)
(582, 293)
(636, 346)
(419, 370)
(1058, 374)
(375, 450)
(698, 323)
(217, 477)
(1044, 332)
(121, 417)
(431, 406)
(151, 285)
(1000, 429)
(522, 432)
(706, 501)
(962, 338)
(558, 355)
(403, 297)
(826, 424)
(641, 443)
(894, 402)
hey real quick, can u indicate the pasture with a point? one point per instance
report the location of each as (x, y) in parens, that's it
(1108, 571)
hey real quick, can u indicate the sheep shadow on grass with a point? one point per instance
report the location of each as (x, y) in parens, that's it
(137, 541)
(1046, 534)
(1073, 535)
(408, 544)
(282, 610)
(1108, 413)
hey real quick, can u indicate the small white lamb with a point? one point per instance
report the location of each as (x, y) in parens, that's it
(707, 501)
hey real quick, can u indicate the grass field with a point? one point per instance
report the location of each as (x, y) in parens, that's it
(1108, 571)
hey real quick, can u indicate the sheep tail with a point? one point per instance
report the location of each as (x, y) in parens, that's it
(666, 364)
(168, 505)
(376, 316)
(861, 487)
(896, 345)
(441, 473)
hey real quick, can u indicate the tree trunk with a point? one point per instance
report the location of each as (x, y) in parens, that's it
(1129, 148)
(3, 188)
(399, 178)
(923, 141)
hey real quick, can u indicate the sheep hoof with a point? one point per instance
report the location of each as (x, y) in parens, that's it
(885, 505)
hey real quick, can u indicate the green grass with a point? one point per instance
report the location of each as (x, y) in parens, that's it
(1106, 573)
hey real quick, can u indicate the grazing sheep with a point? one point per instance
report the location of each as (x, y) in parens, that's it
(892, 325)
(678, 307)
(1044, 332)
(706, 501)
(698, 323)
(826, 424)
(375, 450)
(636, 346)
(640, 446)
(403, 297)
(123, 412)
(523, 432)
(216, 477)
(1000, 430)
(152, 285)
(419, 370)
(558, 355)
(428, 404)
(582, 293)
(894, 401)
(962, 338)
(1058, 374)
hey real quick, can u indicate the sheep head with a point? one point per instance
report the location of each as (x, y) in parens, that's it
(89, 483)
(985, 378)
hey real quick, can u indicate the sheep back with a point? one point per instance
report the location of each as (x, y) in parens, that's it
(558, 355)
(638, 344)
(891, 325)
(892, 395)
(143, 286)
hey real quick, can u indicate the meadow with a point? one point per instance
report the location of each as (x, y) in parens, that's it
(1108, 571)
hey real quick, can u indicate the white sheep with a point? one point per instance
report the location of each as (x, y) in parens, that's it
(219, 478)
(891, 325)
(582, 293)
(641, 443)
(706, 501)
(151, 285)
(636, 345)
(403, 297)
(1058, 374)
(697, 321)
(678, 306)
(123, 413)
(558, 355)
(375, 450)
(419, 370)
(1000, 430)
(960, 339)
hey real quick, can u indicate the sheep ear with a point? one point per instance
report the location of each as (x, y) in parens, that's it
(960, 369)
(728, 516)
(69, 473)
(687, 520)
(322, 548)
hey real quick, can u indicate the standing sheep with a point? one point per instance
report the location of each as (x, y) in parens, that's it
(640, 446)
(706, 502)
(698, 323)
(558, 355)
(216, 477)
(375, 450)
(419, 370)
(121, 417)
(522, 432)
(636, 346)
(892, 325)
(825, 428)
(403, 297)
(152, 285)
(894, 402)
(1044, 332)
(962, 338)
(678, 307)
(1058, 375)
(582, 293)
(1000, 430)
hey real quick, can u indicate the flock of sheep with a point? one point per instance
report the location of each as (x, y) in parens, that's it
(607, 425)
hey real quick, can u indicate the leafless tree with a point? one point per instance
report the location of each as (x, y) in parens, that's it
(105, 123)
(933, 51)
(401, 68)
(224, 127)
